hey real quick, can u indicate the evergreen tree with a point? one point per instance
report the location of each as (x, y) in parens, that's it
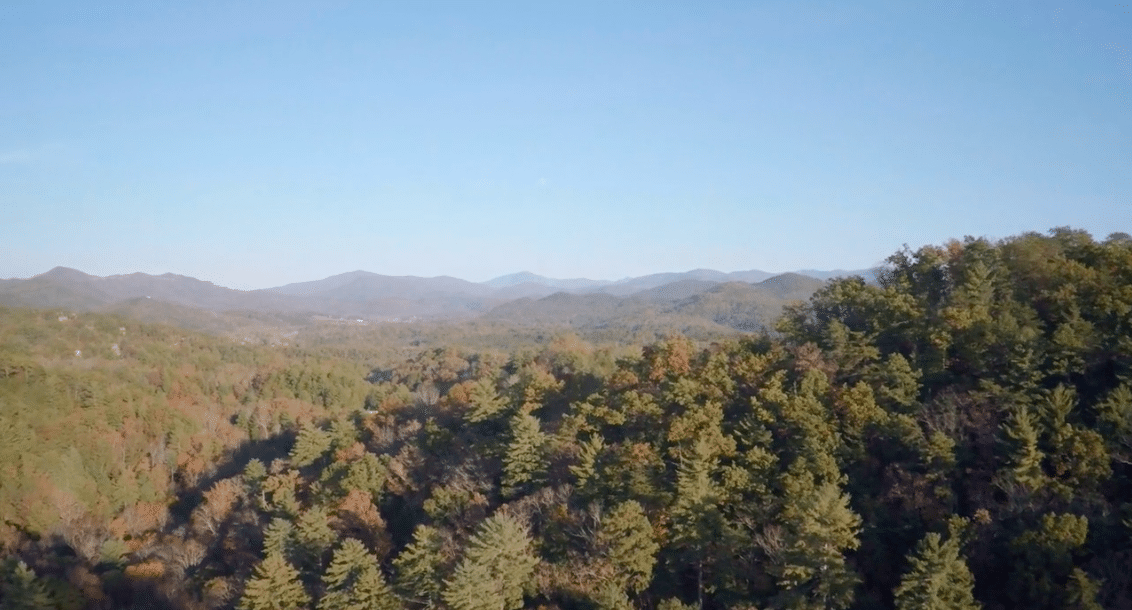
(281, 486)
(672, 603)
(485, 402)
(314, 537)
(21, 589)
(274, 586)
(897, 383)
(279, 538)
(471, 587)
(418, 567)
(1025, 456)
(937, 579)
(697, 524)
(342, 434)
(496, 569)
(353, 581)
(255, 473)
(819, 527)
(367, 474)
(310, 445)
(625, 537)
(524, 465)
(1081, 591)
(1044, 560)
(1115, 422)
(585, 470)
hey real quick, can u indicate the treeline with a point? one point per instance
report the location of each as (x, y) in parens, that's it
(958, 436)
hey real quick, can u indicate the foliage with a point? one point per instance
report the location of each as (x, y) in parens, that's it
(974, 382)
(274, 586)
(496, 568)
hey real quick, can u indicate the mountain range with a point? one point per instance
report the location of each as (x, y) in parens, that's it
(740, 300)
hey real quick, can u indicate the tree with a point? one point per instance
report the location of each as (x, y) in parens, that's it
(255, 473)
(314, 537)
(1025, 457)
(524, 463)
(585, 470)
(310, 446)
(625, 538)
(937, 578)
(471, 588)
(819, 527)
(485, 401)
(342, 434)
(1081, 591)
(354, 581)
(279, 538)
(419, 565)
(697, 523)
(21, 589)
(283, 501)
(1044, 563)
(274, 586)
(496, 569)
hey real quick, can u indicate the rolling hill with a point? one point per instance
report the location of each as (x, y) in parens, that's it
(731, 300)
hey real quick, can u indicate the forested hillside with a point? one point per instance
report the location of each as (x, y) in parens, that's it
(958, 435)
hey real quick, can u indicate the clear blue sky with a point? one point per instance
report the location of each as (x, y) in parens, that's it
(254, 144)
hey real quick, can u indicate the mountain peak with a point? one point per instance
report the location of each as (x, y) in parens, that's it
(66, 273)
(514, 279)
(526, 277)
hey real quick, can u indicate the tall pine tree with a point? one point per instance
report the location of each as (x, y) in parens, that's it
(937, 578)
(353, 581)
(418, 567)
(524, 465)
(274, 586)
(497, 568)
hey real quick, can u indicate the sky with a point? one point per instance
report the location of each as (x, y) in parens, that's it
(254, 144)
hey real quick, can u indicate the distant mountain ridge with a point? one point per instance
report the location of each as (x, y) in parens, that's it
(526, 277)
(371, 296)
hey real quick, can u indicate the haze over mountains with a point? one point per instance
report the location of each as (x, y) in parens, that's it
(743, 300)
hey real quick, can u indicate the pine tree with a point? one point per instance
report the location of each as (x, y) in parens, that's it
(1115, 421)
(485, 402)
(353, 581)
(1081, 591)
(367, 474)
(500, 555)
(349, 560)
(279, 538)
(897, 384)
(471, 587)
(21, 589)
(274, 586)
(697, 523)
(419, 565)
(937, 579)
(625, 537)
(672, 603)
(343, 434)
(524, 465)
(585, 471)
(1044, 563)
(310, 446)
(819, 527)
(314, 537)
(1025, 457)
(283, 501)
(255, 473)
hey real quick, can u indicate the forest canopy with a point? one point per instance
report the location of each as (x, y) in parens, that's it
(957, 434)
